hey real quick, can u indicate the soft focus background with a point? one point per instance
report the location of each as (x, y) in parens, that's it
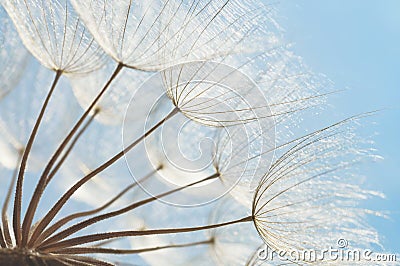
(357, 45)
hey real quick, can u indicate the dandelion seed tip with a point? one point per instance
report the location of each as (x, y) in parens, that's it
(218, 173)
(212, 240)
(58, 71)
(176, 110)
(214, 176)
(97, 110)
(160, 167)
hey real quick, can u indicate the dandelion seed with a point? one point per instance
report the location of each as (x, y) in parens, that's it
(289, 213)
(213, 94)
(54, 34)
(153, 35)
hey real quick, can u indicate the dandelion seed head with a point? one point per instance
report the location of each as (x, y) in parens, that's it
(55, 35)
(213, 94)
(153, 35)
(290, 213)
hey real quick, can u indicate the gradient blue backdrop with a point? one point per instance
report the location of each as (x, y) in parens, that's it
(356, 44)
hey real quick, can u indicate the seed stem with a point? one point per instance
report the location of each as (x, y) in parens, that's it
(103, 236)
(91, 250)
(2, 240)
(42, 181)
(77, 227)
(57, 207)
(71, 217)
(24, 160)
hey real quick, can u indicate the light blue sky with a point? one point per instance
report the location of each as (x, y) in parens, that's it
(356, 44)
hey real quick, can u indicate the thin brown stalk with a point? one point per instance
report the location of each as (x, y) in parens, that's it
(77, 227)
(2, 240)
(42, 182)
(103, 236)
(24, 160)
(4, 218)
(57, 207)
(71, 217)
(91, 250)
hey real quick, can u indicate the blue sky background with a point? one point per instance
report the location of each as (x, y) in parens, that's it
(357, 45)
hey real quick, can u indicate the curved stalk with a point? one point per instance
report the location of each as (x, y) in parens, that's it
(104, 236)
(77, 227)
(42, 181)
(71, 217)
(61, 202)
(24, 160)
